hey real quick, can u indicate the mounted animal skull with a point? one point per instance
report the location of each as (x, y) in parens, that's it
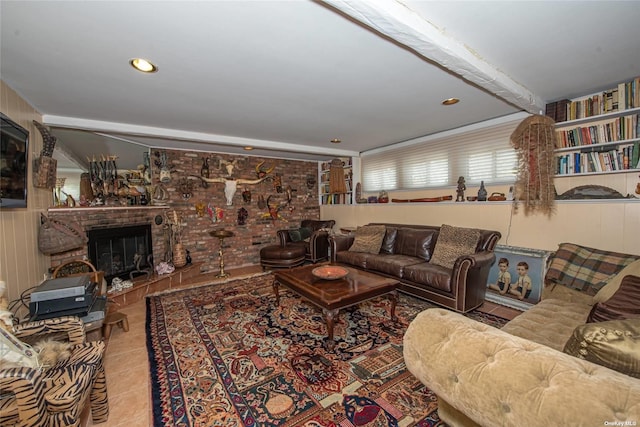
(230, 185)
(229, 165)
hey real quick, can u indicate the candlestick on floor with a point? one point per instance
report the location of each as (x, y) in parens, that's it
(221, 234)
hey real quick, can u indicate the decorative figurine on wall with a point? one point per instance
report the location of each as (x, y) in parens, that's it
(277, 183)
(460, 190)
(162, 162)
(200, 208)
(311, 182)
(243, 214)
(215, 214)
(246, 196)
(273, 211)
(204, 170)
(186, 188)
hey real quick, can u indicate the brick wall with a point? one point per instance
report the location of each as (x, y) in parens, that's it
(240, 250)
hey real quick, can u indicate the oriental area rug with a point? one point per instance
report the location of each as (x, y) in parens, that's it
(226, 355)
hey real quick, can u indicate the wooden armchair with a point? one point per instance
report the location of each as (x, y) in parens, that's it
(58, 395)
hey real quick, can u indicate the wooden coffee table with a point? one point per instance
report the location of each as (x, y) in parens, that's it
(332, 295)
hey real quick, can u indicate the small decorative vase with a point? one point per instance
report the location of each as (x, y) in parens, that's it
(482, 193)
(179, 256)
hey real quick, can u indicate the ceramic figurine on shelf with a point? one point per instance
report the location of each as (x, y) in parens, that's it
(460, 190)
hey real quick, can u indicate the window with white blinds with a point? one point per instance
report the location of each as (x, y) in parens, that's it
(479, 154)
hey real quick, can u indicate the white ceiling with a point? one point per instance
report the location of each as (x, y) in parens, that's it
(288, 76)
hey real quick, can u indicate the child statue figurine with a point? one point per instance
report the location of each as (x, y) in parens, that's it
(460, 190)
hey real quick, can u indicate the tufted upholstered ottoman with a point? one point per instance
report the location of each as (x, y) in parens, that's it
(276, 256)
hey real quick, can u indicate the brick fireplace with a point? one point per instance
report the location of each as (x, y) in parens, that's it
(242, 249)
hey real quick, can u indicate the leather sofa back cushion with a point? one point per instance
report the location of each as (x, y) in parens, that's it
(454, 242)
(614, 344)
(415, 242)
(389, 241)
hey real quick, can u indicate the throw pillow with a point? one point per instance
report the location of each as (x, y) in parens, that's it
(614, 344)
(623, 304)
(368, 239)
(452, 243)
(299, 234)
(585, 269)
(612, 285)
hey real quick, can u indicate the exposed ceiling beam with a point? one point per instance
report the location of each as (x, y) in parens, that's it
(395, 20)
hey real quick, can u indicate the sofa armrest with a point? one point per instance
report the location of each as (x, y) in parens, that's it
(283, 237)
(469, 277)
(494, 378)
(340, 243)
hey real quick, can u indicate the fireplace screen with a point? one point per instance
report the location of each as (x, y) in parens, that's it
(121, 252)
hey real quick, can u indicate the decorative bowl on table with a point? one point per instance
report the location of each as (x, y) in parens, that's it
(330, 272)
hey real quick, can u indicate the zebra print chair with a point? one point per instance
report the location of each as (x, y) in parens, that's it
(56, 396)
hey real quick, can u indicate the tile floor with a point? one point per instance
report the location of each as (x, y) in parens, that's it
(127, 368)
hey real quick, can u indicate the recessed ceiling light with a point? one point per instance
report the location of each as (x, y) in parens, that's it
(450, 101)
(248, 148)
(336, 141)
(143, 65)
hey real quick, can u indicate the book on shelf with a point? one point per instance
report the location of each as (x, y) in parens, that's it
(624, 96)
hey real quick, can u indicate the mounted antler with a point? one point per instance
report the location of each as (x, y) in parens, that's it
(261, 172)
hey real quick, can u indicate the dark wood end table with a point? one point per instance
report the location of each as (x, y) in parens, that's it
(332, 295)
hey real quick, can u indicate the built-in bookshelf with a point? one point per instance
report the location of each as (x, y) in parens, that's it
(328, 195)
(603, 135)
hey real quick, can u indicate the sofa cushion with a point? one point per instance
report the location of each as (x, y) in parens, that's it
(389, 241)
(415, 242)
(550, 322)
(368, 239)
(357, 259)
(454, 242)
(614, 344)
(391, 264)
(584, 268)
(429, 274)
(612, 285)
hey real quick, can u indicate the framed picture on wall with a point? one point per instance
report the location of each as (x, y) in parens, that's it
(14, 140)
(516, 278)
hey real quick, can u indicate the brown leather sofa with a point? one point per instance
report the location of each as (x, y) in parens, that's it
(405, 254)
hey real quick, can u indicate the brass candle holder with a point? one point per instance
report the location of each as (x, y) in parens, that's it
(221, 234)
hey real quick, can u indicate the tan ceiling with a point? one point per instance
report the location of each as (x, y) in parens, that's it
(288, 76)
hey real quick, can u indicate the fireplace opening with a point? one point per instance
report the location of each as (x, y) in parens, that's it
(124, 252)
